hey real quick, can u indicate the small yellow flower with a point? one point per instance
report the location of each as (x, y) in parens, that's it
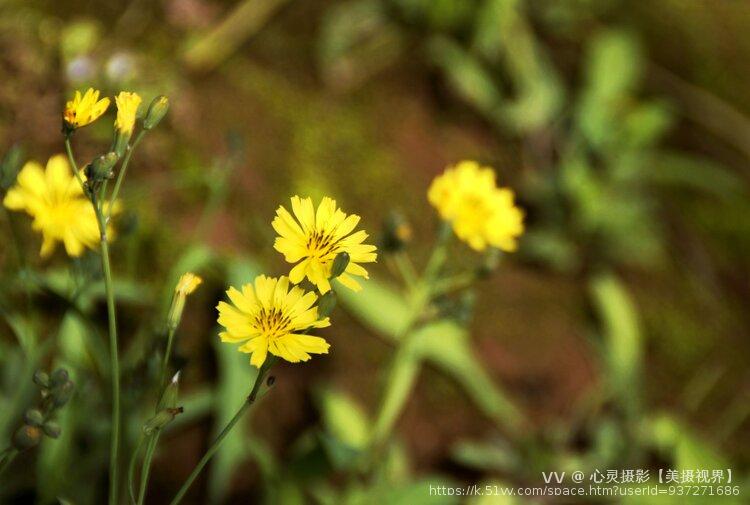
(54, 198)
(188, 283)
(271, 317)
(314, 239)
(84, 110)
(481, 213)
(127, 106)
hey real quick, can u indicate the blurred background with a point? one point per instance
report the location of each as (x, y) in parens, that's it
(616, 337)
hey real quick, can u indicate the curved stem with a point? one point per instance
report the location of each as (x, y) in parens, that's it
(76, 172)
(123, 169)
(228, 428)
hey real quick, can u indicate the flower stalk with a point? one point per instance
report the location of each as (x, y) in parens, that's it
(249, 401)
(111, 316)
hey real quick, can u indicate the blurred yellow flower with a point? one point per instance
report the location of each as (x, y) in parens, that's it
(314, 239)
(127, 106)
(271, 317)
(481, 214)
(86, 109)
(54, 198)
(188, 283)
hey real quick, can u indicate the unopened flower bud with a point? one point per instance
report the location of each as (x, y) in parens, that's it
(101, 168)
(27, 437)
(188, 283)
(340, 262)
(62, 394)
(326, 304)
(41, 379)
(51, 429)
(33, 417)
(59, 377)
(169, 398)
(161, 419)
(156, 112)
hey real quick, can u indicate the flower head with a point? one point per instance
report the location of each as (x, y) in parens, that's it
(481, 213)
(272, 317)
(127, 106)
(188, 283)
(314, 239)
(54, 198)
(84, 110)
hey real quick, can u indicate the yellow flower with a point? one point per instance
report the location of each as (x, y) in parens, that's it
(86, 109)
(481, 213)
(127, 106)
(54, 198)
(271, 317)
(315, 238)
(188, 283)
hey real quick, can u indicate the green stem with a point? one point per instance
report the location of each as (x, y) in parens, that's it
(123, 169)
(113, 348)
(146, 467)
(8, 457)
(131, 469)
(71, 158)
(154, 439)
(114, 362)
(227, 429)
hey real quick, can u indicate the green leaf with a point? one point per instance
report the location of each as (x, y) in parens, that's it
(344, 419)
(447, 345)
(623, 343)
(378, 306)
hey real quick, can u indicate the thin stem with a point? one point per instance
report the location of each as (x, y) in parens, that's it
(146, 467)
(154, 439)
(227, 429)
(131, 469)
(165, 361)
(406, 268)
(8, 457)
(114, 362)
(111, 316)
(123, 169)
(71, 158)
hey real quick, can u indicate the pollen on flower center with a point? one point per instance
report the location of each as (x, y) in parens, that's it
(273, 323)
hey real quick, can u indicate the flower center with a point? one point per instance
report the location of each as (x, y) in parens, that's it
(273, 323)
(321, 245)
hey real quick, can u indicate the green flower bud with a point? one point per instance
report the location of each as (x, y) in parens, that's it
(340, 262)
(156, 112)
(326, 304)
(51, 429)
(101, 168)
(59, 377)
(161, 419)
(27, 437)
(169, 398)
(41, 379)
(33, 417)
(62, 394)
